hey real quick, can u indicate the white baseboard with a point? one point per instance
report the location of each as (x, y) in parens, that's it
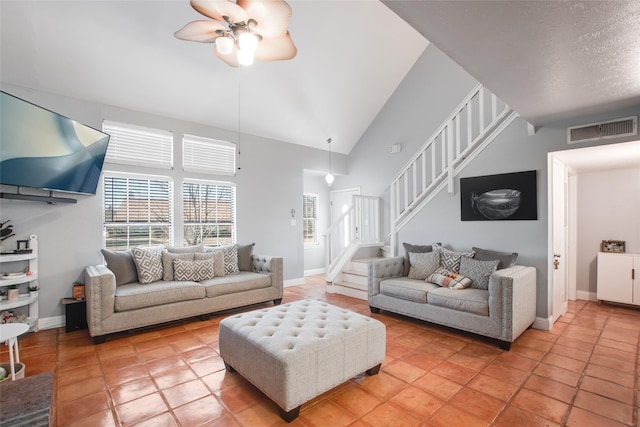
(586, 295)
(51, 322)
(542, 323)
(293, 282)
(314, 272)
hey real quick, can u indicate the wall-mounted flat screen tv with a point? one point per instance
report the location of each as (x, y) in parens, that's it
(43, 149)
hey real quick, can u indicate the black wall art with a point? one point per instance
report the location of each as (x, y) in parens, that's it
(507, 196)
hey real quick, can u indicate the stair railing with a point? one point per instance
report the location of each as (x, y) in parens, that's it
(477, 120)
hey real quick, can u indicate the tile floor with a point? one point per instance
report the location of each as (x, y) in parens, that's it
(585, 372)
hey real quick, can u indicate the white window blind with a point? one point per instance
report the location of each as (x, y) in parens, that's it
(137, 211)
(209, 210)
(136, 145)
(208, 155)
(310, 218)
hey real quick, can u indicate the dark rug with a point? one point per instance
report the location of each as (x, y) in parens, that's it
(27, 401)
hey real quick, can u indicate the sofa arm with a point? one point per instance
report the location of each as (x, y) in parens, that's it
(269, 265)
(100, 294)
(381, 269)
(512, 292)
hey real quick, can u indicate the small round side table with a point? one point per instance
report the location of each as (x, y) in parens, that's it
(10, 332)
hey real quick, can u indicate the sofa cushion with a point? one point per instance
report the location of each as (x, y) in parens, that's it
(244, 256)
(423, 264)
(167, 263)
(148, 264)
(218, 261)
(450, 259)
(449, 279)
(469, 300)
(506, 259)
(240, 282)
(133, 296)
(194, 270)
(122, 265)
(417, 249)
(407, 289)
(478, 271)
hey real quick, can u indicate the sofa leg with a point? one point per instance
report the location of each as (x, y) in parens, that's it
(291, 415)
(374, 310)
(99, 339)
(505, 345)
(374, 370)
(277, 301)
(228, 367)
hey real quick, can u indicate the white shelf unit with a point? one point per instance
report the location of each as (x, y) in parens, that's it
(15, 263)
(617, 281)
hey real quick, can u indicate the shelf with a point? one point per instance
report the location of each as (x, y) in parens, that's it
(23, 299)
(18, 257)
(18, 280)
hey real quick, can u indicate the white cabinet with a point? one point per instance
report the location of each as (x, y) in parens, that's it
(618, 279)
(15, 265)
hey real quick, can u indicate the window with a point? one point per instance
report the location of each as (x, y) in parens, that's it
(208, 155)
(209, 212)
(137, 211)
(310, 218)
(140, 146)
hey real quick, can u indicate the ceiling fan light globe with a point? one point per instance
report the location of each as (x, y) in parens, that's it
(224, 45)
(247, 41)
(245, 57)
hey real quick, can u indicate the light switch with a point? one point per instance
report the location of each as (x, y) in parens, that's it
(293, 222)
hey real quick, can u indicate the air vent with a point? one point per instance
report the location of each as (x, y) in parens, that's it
(603, 130)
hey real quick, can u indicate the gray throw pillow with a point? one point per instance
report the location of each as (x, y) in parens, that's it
(148, 263)
(507, 259)
(244, 256)
(478, 271)
(417, 249)
(122, 265)
(185, 249)
(423, 264)
(167, 263)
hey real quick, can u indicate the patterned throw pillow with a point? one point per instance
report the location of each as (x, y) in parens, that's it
(148, 263)
(196, 271)
(478, 271)
(167, 263)
(450, 259)
(230, 257)
(423, 264)
(218, 261)
(449, 279)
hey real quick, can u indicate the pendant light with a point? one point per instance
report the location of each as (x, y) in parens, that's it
(329, 178)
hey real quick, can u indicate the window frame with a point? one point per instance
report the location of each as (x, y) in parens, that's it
(233, 204)
(315, 219)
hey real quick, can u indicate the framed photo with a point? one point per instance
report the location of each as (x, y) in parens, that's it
(616, 246)
(507, 196)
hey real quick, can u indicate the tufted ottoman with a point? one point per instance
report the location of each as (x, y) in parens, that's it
(297, 351)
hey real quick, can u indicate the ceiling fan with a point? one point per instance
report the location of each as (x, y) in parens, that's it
(243, 30)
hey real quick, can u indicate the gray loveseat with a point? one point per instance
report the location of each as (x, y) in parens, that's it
(121, 297)
(502, 307)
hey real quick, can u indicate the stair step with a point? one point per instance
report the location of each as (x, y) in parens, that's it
(356, 278)
(352, 285)
(360, 265)
(350, 290)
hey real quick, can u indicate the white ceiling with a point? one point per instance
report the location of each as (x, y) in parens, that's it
(123, 53)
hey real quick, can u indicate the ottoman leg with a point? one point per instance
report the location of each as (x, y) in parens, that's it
(374, 370)
(228, 367)
(291, 415)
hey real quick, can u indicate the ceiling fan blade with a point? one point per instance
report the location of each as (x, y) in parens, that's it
(272, 16)
(216, 9)
(276, 48)
(199, 31)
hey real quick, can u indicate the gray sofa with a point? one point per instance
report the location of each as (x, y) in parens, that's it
(115, 303)
(502, 311)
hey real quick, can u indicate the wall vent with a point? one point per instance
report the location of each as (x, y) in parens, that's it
(627, 126)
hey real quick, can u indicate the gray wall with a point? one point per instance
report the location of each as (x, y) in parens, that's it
(429, 93)
(268, 186)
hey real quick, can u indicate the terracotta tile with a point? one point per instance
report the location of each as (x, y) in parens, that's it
(133, 390)
(78, 362)
(208, 366)
(576, 344)
(417, 402)
(607, 389)
(516, 361)
(469, 361)
(221, 379)
(199, 353)
(627, 356)
(396, 349)
(240, 397)
(126, 350)
(534, 343)
(91, 404)
(123, 362)
(389, 414)
(327, 413)
(201, 411)
(162, 420)
(383, 384)
(504, 373)
(514, 416)
(141, 409)
(173, 377)
(263, 414)
(413, 340)
(564, 362)
(185, 393)
(609, 361)
(610, 408)
(164, 364)
(151, 344)
(156, 353)
(479, 404)
(581, 418)
(454, 372)
(610, 374)
(529, 352)
(571, 352)
(546, 407)
(80, 389)
(562, 392)
(356, 400)
(438, 386)
(437, 351)
(449, 415)
(114, 378)
(404, 371)
(422, 360)
(101, 419)
(74, 375)
(186, 343)
(558, 374)
(494, 387)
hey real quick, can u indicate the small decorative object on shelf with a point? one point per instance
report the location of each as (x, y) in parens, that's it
(78, 291)
(33, 290)
(616, 246)
(13, 292)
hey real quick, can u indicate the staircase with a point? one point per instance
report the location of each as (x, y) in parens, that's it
(352, 281)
